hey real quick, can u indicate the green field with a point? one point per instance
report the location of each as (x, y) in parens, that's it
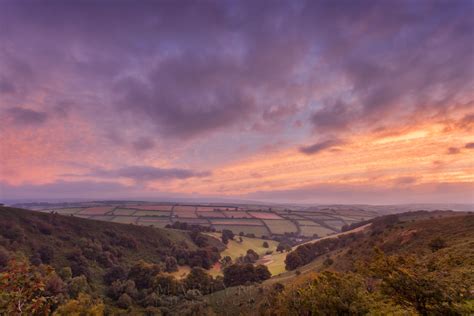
(259, 231)
(280, 226)
(319, 230)
(266, 220)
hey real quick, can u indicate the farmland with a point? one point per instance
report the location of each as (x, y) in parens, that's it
(257, 220)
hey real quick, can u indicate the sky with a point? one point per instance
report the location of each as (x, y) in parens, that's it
(283, 101)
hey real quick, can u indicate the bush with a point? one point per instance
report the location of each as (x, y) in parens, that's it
(4, 257)
(171, 264)
(124, 301)
(238, 274)
(143, 274)
(83, 305)
(46, 253)
(327, 294)
(437, 244)
(115, 273)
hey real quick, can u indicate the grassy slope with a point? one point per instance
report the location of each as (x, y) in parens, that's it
(66, 234)
(411, 236)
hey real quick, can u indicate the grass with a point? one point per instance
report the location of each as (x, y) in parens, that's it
(125, 219)
(280, 226)
(319, 230)
(152, 213)
(123, 211)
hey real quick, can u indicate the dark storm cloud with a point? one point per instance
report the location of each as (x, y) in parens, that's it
(189, 68)
(321, 146)
(25, 117)
(147, 173)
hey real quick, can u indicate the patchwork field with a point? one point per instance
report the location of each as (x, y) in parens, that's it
(236, 214)
(152, 213)
(309, 231)
(260, 220)
(98, 210)
(265, 215)
(280, 226)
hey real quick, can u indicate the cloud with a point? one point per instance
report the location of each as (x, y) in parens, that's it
(66, 189)
(405, 180)
(453, 151)
(147, 173)
(321, 146)
(24, 117)
(143, 144)
(6, 86)
(333, 117)
(469, 146)
(366, 194)
(227, 66)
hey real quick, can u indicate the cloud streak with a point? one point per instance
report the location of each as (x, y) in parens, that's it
(321, 146)
(147, 173)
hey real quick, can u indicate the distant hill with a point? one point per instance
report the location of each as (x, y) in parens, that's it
(260, 220)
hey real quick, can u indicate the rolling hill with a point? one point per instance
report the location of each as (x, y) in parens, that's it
(416, 263)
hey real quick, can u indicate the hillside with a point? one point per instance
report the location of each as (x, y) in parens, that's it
(410, 263)
(88, 256)
(383, 269)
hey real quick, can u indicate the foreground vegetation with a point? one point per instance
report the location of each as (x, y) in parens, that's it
(418, 263)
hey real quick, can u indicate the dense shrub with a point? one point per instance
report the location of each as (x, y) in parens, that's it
(238, 274)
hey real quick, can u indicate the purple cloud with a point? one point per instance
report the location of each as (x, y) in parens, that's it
(321, 146)
(147, 173)
(453, 151)
(23, 116)
(469, 145)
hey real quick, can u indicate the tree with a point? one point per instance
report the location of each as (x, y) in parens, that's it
(198, 279)
(283, 247)
(84, 305)
(226, 261)
(437, 244)
(293, 260)
(238, 274)
(22, 289)
(226, 235)
(251, 256)
(46, 253)
(326, 294)
(411, 282)
(165, 285)
(115, 273)
(262, 273)
(4, 258)
(78, 285)
(124, 301)
(171, 264)
(143, 273)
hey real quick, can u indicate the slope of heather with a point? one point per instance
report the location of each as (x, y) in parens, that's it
(417, 263)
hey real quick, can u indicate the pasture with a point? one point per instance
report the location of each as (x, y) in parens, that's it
(260, 220)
